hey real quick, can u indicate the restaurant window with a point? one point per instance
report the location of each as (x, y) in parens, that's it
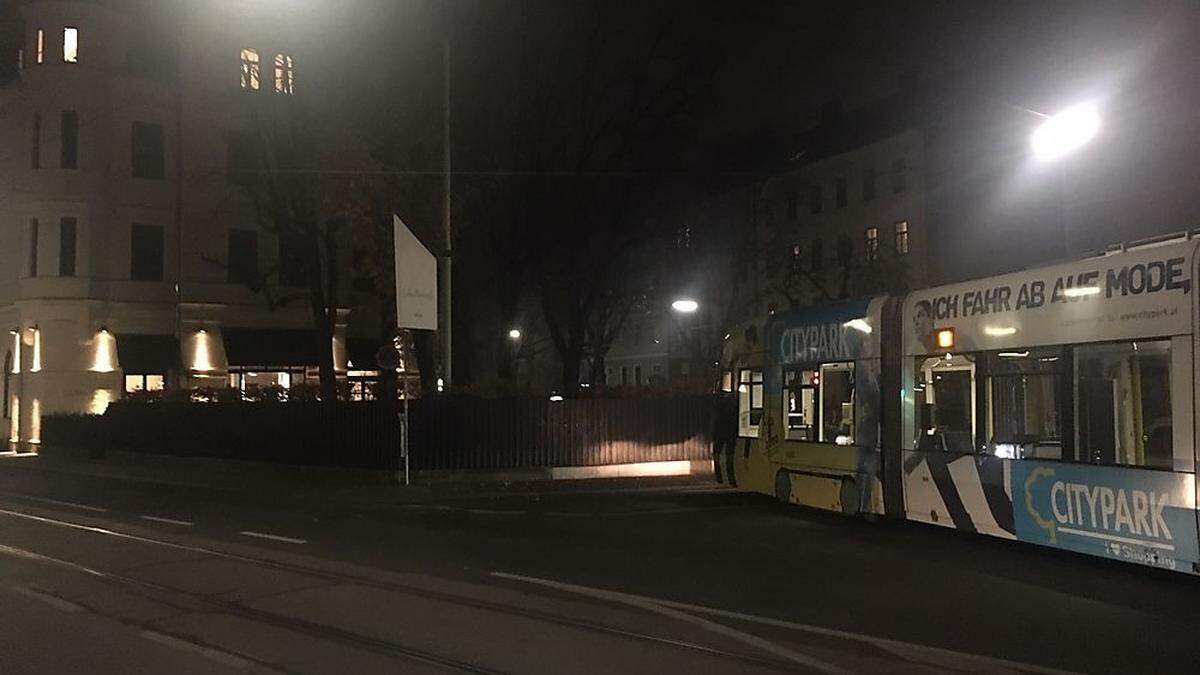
(67, 232)
(285, 74)
(750, 402)
(69, 140)
(869, 185)
(146, 143)
(800, 403)
(146, 253)
(872, 244)
(70, 44)
(815, 199)
(840, 192)
(251, 77)
(900, 235)
(136, 383)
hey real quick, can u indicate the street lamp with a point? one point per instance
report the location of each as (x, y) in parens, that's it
(685, 305)
(514, 334)
(1066, 131)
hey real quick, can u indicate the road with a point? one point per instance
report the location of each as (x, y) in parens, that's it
(110, 576)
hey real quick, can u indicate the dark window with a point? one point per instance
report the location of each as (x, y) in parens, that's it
(796, 252)
(840, 187)
(66, 247)
(845, 250)
(243, 257)
(818, 254)
(637, 375)
(147, 144)
(872, 243)
(899, 176)
(239, 153)
(815, 198)
(624, 375)
(8, 357)
(869, 185)
(683, 237)
(146, 253)
(291, 261)
(792, 204)
(35, 147)
(33, 247)
(70, 139)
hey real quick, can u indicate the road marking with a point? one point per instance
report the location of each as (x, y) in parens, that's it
(73, 505)
(905, 650)
(42, 596)
(273, 537)
(222, 657)
(657, 607)
(169, 521)
(495, 512)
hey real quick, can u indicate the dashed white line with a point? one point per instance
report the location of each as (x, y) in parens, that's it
(41, 596)
(73, 505)
(169, 521)
(222, 657)
(272, 537)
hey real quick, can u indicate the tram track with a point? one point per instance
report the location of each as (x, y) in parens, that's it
(350, 638)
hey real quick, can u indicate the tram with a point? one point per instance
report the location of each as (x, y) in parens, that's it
(1054, 406)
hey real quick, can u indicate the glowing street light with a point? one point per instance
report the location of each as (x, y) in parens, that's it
(685, 306)
(1067, 131)
(514, 334)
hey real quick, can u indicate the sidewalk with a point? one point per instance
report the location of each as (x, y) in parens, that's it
(355, 485)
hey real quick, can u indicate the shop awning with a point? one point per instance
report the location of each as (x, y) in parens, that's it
(147, 354)
(270, 347)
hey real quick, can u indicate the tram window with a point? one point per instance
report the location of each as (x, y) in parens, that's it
(750, 401)
(1025, 389)
(1123, 404)
(800, 403)
(836, 392)
(945, 402)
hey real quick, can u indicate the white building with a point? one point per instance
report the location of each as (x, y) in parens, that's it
(124, 248)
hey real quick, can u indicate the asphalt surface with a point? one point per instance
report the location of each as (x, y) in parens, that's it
(105, 575)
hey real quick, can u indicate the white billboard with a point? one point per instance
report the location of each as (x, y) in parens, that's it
(416, 280)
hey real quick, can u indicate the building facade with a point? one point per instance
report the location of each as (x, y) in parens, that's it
(126, 251)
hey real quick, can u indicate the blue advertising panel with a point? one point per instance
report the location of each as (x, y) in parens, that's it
(1148, 517)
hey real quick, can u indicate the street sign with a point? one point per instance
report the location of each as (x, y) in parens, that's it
(416, 280)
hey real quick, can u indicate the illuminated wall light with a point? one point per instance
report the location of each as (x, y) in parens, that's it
(104, 360)
(859, 325)
(35, 365)
(100, 400)
(202, 356)
(999, 331)
(1081, 291)
(35, 422)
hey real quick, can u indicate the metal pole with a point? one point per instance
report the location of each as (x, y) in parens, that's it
(404, 433)
(444, 282)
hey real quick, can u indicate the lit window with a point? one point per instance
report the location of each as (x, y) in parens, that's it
(250, 69)
(872, 243)
(70, 45)
(41, 46)
(836, 394)
(901, 232)
(285, 74)
(135, 383)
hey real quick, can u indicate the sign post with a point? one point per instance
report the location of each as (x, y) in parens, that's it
(416, 304)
